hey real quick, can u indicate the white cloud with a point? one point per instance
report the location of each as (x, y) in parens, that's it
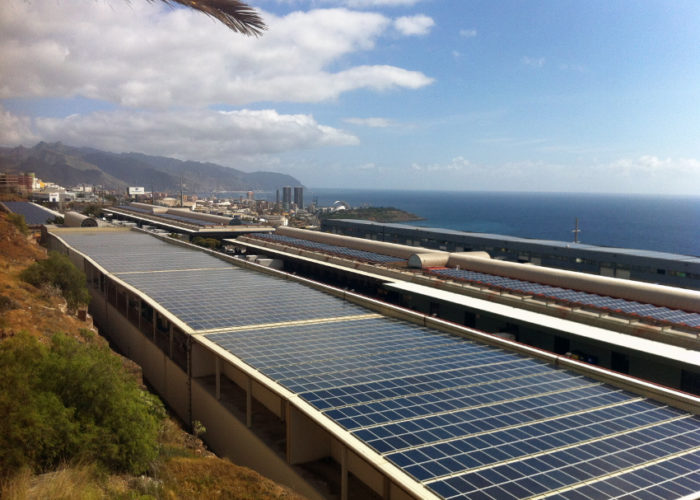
(223, 137)
(15, 130)
(533, 62)
(369, 122)
(458, 163)
(470, 33)
(146, 54)
(379, 3)
(652, 166)
(414, 25)
(645, 174)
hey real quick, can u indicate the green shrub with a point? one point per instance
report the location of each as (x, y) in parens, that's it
(60, 272)
(92, 209)
(18, 221)
(212, 243)
(71, 401)
(57, 220)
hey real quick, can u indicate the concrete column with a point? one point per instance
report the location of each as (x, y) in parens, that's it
(217, 364)
(139, 321)
(170, 343)
(306, 440)
(344, 473)
(249, 403)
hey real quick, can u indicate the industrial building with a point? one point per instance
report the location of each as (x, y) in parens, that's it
(644, 330)
(181, 221)
(286, 197)
(299, 196)
(34, 215)
(343, 396)
(640, 265)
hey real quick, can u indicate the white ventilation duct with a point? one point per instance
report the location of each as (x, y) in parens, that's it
(649, 293)
(76, 219)
(392, 249)
(216, 219)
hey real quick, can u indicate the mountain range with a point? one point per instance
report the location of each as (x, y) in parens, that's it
(71, 166)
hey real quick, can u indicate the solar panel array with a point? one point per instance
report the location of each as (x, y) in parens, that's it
(470, 421)
(463, 419)
(340, 251)
(33, 214)
(178, 218)
(575, 297)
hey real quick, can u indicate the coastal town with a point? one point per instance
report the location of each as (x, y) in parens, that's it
(286, 206)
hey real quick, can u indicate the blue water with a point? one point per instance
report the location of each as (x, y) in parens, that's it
(661, 223)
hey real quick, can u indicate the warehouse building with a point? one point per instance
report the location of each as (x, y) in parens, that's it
(641, 265)
(648, 331)
(340, 396)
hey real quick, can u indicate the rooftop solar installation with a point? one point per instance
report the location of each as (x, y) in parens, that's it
(33, 214)
(331, 249)
(203, 291)
(504, 238)
(143, 254)
(471, 421)
(208, 299)
(174, 217)
(464, 419)
(575, 297)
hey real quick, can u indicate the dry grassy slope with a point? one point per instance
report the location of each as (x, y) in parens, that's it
(186, 470)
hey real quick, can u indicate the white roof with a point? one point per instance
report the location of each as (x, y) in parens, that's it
(660, 349)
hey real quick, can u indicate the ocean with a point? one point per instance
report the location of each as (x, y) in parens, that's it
(648, 222)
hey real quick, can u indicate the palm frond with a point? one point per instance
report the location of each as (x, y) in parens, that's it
(236, 15)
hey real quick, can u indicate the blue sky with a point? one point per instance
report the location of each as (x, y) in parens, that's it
(556, 95)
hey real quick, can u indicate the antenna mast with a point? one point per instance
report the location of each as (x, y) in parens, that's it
(576, 231)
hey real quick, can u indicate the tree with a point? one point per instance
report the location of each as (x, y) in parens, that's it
(60, 272)
(236, 15)
(69, 401)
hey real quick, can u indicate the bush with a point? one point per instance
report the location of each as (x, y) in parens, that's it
(18, 221)
(59, 271)
(212, 243)
(92, 209)
(57, 220)
(71, 401)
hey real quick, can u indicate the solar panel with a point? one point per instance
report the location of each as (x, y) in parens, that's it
(175, 217)
(331, 249)
(464, 419)
(33, 214)
(449, 409)
(575, 297)
(144, 254)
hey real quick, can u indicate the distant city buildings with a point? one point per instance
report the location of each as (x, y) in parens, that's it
(299, 197)
(286, 197)
(18, 183)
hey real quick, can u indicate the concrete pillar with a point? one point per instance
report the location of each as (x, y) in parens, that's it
(217, 365)
(170, 343)
(249, 403)
(306, 440)
(344, 473)
(140, 311)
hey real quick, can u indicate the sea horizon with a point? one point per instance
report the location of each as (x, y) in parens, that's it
(663, 223)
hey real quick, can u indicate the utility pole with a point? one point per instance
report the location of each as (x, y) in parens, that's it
(576, 231)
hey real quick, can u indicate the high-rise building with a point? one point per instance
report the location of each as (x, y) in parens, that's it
(299, 196)
(286, 197)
